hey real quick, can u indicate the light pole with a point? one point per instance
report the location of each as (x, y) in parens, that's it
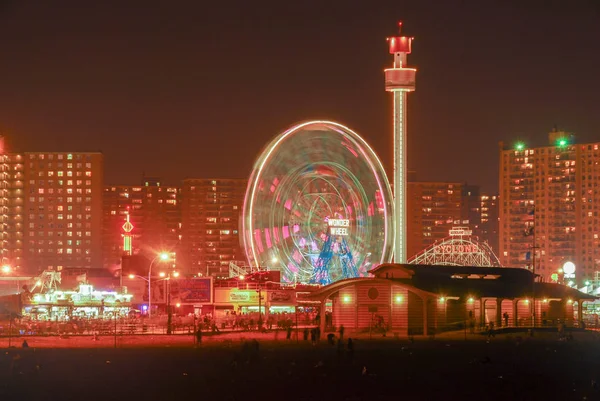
(260, 284)
(164, 257)
(169, 312)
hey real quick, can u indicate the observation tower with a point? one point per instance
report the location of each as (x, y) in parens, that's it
(400, 80)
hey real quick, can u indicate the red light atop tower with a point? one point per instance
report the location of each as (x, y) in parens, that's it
(400, 44)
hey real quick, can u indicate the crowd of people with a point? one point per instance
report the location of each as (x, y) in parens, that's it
(249, 321)
(157, 323)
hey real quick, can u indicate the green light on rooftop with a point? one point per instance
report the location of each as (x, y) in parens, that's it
(520, 146)
(562, 142)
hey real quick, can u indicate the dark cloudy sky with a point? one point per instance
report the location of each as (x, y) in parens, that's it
(196, 88)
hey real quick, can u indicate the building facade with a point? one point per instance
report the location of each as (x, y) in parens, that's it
(549, 203)
(423, 300)
(52, 210)
(155, 214)
(488, 226)
(12, 204)
(435, 207)
(210, 218)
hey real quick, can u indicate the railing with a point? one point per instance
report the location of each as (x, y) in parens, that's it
(17, 328)
(23, 327)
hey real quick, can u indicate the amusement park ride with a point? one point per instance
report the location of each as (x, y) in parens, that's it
(319, 171)
(319, 207)
(318, 213)
(460, 248)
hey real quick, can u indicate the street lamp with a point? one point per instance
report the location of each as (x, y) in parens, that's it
(169, 312)
(163, 256)
(133, 276)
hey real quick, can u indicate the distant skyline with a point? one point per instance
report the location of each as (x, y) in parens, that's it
(188, 89)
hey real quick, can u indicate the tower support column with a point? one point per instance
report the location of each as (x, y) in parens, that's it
(400, 175)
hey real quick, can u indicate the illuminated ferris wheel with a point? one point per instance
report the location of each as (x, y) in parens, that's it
(318, 206)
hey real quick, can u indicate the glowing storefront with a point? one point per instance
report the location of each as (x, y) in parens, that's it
(84, 303)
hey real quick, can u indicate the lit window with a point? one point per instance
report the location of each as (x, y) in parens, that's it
(88, 173)
(69, 157)
(59, 173)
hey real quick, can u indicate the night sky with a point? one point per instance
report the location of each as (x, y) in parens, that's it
(196, 88)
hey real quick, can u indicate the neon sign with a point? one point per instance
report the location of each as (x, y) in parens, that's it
(127, 243)
(461, 248)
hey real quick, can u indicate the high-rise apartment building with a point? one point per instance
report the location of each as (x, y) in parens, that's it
(488, 226)
(154, 212)
(549, 202)
(435, 207)
(210, 213)
(12, 199)
(52, 210)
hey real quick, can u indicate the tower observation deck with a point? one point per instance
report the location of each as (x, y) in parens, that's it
(400, 80)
